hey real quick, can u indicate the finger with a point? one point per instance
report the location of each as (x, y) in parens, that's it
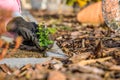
(1, 43)
(18, 42)
(4, 51)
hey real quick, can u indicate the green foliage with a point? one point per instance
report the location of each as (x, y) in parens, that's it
(44, 34)
(70, 2)
(52, 30)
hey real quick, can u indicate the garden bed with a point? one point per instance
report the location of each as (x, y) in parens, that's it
(93, 52)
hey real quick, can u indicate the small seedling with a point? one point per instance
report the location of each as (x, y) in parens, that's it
(44, 35)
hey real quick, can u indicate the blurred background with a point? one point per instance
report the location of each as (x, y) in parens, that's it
(56, 5)
(85, 11)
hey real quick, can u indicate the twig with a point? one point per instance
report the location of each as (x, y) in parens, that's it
(85, 62)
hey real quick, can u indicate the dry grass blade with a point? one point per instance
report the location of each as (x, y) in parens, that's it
(85, 62)
(5, 68)
(115, 68)
(77, 58)
(26, 67)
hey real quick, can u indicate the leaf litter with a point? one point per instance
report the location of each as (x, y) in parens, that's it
(94, 53)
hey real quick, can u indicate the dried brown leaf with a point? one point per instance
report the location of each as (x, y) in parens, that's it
(85, 62)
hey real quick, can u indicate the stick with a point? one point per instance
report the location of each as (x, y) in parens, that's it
(85, 62)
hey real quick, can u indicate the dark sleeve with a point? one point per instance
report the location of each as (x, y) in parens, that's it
(29, 36)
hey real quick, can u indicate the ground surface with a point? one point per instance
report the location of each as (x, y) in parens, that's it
(93, 51)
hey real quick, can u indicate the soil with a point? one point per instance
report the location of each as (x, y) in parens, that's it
(93, 51)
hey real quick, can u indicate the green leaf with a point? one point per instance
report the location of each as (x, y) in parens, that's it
(43, 34)
(70, 2)
(52, 30)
